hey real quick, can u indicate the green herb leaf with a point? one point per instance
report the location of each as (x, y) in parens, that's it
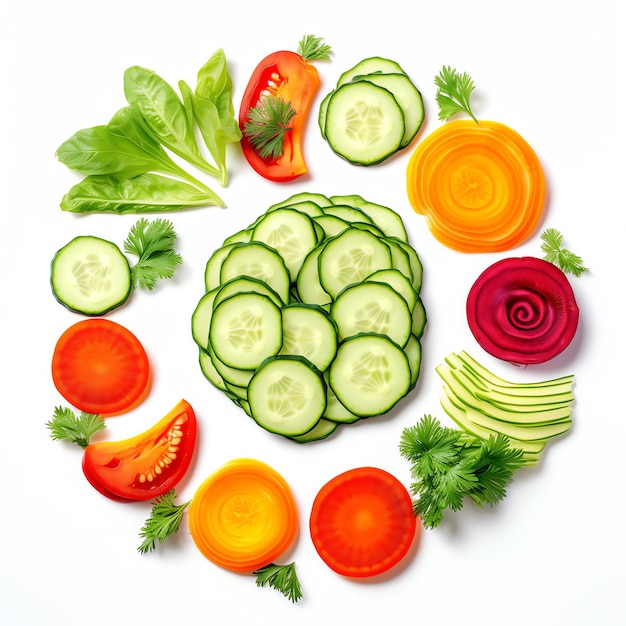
(266, 126)
(163, 112)
(566, 261)
(453, 93)
(146, 193)
(311, 48)
(65, 425)
(153, 244)
(449, 465)
(280, 577)
(164, 521)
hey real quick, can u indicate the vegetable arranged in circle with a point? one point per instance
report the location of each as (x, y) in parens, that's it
(374, 111)
(100, 367)
(480, 186)
(243, 516)
(362, 522)
(522, 310)
(147, 465)
(312, 315)
(274, 110)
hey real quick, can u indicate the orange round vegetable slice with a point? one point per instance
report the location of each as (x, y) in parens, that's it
(100, 367)
(480, 186)
(243, 516)
(362, 522)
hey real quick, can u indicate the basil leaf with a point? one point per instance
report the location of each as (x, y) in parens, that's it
(145, 193)
(98, 150)
(163, 112)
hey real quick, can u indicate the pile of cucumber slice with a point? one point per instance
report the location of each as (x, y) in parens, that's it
(312, 316)
(374, 111)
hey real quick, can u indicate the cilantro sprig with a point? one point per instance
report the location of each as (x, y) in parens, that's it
(453, 93)
(449, 465)
(555, 253)
(65, 425)
(153, 244)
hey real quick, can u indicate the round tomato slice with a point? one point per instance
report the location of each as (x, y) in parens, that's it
(145, 466)
(244, 516)
(100, 367)
(362, 522)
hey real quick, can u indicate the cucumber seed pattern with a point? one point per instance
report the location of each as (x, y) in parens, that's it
(92, 276)
(365, 123)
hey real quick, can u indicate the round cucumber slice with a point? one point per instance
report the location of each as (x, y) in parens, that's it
(90, 275)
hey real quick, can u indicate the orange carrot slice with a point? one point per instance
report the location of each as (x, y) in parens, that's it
(480, 186)
(243, 516)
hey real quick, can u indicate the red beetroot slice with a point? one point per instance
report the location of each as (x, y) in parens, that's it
(522, 310)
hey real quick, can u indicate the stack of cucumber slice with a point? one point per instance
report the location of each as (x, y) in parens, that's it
(374, 111)
(312, 315)
(483, 404)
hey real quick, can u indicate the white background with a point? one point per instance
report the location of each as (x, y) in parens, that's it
(552, 552)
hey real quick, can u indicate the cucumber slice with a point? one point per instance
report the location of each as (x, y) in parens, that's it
(413, 351)
(419, 319)
(287, 395)
(375, 64)
(324, 428)
(310, 290)
(303, 196)
(201, 319)
(308, 331)
(364, 123)
(321, 117)
(398, 282)
(90, 275)
(350, 214)
(209, 371)
(372, 307)
(289, 232)
(257, 260)
(349, 258)
(385, 218)
(245, 330)
(407, 96)
(331, 224)
(245, 284)
(370, 374)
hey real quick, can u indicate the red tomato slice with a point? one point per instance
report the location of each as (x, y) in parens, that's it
(100, 367)
(362, 522)
(288, 76)
(145, 466)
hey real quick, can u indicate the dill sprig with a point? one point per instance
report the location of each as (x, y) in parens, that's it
(164, 521)
(280, 577)
(267, 124)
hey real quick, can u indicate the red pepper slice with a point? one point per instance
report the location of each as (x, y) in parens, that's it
(288, 76)
(147, 465)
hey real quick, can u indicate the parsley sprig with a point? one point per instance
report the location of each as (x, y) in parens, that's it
(153, 244)
(267, 124)
(448, 465)
(280, 577)
(566, 261)
(453, 93)
(65, 425)
(164, 520)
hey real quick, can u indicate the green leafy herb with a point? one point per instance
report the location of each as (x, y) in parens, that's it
(453, 93)
(212, 109)
(449, 465)
(164, 521)
(66, 426)
(153, 244)
(163, 112)
(266, 126)
(280, 577)
(311, 48)
(146, 193)
(565, 260)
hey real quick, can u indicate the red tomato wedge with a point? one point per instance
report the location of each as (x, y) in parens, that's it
(362, 522)
(100, 367)
(145, 466)
(243, 516)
